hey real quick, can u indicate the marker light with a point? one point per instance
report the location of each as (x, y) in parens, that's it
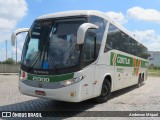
(72, 94)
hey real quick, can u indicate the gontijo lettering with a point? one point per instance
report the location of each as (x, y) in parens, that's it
(123, 60)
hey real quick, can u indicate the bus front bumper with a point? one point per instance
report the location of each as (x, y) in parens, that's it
(69, 93)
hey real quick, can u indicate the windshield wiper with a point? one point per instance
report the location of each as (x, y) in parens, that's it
(71, 53)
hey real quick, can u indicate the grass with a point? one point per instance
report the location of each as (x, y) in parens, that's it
(154, 72)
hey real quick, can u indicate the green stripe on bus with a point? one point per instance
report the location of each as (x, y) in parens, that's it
(122, 60)
(144, 64)
(52, 78)
(111, 59)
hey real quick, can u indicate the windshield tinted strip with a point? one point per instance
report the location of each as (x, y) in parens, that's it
(53, 78)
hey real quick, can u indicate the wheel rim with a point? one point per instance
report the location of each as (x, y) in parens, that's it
(104, 91)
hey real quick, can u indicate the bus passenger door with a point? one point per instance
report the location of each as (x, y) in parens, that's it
(119, 77)
(118, 71)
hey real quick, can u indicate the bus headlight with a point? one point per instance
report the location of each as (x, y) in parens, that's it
(72, 81)
(66, 82)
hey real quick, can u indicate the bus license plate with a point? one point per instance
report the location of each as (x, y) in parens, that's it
(42, 93)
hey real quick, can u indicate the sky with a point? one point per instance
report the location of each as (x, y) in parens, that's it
(140, 17)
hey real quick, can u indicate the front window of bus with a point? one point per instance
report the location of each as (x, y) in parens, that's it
(51, 44)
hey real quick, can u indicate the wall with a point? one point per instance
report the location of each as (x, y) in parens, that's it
(5, 68)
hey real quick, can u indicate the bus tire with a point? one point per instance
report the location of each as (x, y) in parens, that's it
(105, 92)
(142, 77)
(139, 81)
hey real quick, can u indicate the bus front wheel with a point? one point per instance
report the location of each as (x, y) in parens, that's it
(105, 92)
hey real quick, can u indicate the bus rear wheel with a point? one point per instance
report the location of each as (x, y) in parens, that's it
(140, 80)
(105, 92)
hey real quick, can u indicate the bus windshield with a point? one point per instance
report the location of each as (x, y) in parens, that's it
(51, 44)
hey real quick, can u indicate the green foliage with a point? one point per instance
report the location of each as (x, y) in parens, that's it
(9, 61)
(154, 67)
(154, 71)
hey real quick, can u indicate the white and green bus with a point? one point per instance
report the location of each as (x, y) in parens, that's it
(78, 55)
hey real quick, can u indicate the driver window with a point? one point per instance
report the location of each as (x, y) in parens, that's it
(89, 48)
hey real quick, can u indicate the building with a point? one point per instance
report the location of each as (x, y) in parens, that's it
(154, 58)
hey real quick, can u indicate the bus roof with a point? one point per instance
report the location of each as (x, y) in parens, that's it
(87, 13)
(71, 13)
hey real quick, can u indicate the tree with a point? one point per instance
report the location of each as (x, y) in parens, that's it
(9, 61)
(19, 62)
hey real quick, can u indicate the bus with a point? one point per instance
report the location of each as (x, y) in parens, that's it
(78, 55)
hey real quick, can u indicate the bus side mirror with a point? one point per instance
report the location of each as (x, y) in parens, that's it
(82, 31)
(15, 33)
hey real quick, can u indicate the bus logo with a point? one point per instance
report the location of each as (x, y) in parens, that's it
(40, 85)
(40, 79)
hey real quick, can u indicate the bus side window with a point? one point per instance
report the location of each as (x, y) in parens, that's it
(101, 23)
(108, 46)
(111, 38)
(118, 40)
